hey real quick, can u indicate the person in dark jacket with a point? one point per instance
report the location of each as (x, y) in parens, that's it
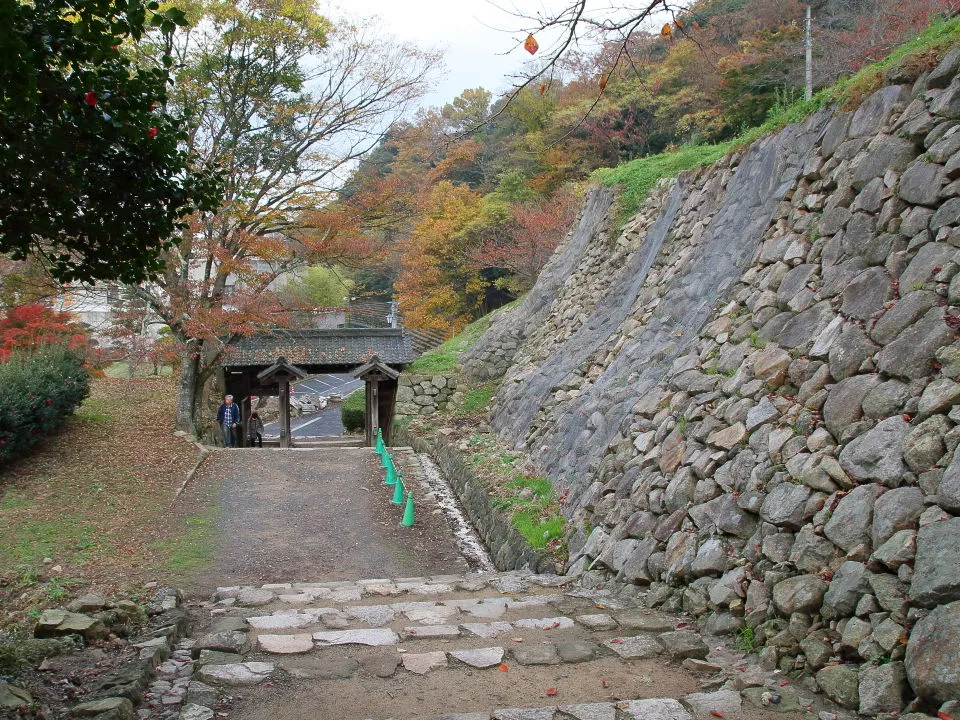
(228, 417)
(255, 430)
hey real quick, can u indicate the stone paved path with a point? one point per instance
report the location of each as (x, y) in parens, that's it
(318, 514)
(492, 646)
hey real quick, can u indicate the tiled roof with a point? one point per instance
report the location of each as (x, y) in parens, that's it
(305, 348)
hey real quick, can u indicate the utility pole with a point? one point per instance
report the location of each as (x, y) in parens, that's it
(808, 44)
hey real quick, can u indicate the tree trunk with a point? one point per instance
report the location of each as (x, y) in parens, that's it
(188, 394)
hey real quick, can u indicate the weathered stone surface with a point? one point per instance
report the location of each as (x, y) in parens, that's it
(229, 642)
(803, 594)
(535, 654)
(933, 655)
(921, 269)
(431, 631)
(550, 623)
(728, 437)
(811, 552)
(644, 621)
(681, 644)
(896, 510)
(940, 395)
(254, 597)
(597, 621)
(840, 683)
(803, 328)
(761, 413)
(924, 445)
(850, 582)
(278, 622)
(920, 183)
(422, 663)
(576, 651)
(637, 647)
(372, 615)
(843, 405)
(784, 505)
(13, 697)
(56, 623)
(949, 491)
(912, 353)
(88, 603)
(706, 705)
(192, 711)
(760, 697)
(534, 713)
(589, 711)
(899, 549)
(285, 644)
(936, 573)
(884, 153)
(479, 658)
(248, 673)
(877, 455)
(199, 693)
(487, 630)
(867, 294)
(114, 708)
(375, 637)
(882, 688)
(653, 709)
(851, 522)
(850, 351)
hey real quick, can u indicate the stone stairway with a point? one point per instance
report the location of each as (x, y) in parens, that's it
(488, 646)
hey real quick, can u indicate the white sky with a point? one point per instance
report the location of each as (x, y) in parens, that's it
(475, 54)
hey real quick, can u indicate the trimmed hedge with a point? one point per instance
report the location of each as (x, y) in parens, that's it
(38, 391)
(352, 410)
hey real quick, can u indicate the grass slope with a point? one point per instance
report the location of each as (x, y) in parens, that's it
(97, 500)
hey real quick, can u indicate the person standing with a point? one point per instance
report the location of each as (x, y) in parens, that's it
(255, 430)
(228, 417)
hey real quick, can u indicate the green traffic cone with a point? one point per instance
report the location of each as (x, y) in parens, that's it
(379, 448)
(398, 492)
(408, 512)
(385, 459)
(391, 474)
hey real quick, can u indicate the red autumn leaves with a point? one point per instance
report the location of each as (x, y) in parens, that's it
(90, 99)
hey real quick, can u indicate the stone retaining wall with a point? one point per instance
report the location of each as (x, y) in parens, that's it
(760, 423)
(426, 394)
(508, 549)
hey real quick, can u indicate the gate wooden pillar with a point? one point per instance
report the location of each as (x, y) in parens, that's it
(381, 385)
(282, 373)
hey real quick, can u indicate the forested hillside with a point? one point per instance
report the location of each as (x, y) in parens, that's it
(460, 207)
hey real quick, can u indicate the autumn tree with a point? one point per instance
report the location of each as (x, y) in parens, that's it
(35, 325)
(94, 173)
(285, 100)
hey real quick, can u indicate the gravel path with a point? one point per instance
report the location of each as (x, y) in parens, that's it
(317, 515)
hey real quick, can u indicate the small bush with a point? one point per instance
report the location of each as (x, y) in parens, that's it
(352, 411)
(39, 390)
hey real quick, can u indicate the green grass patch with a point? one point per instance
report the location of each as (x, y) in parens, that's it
(637, 178)
(476, 400)
(444, 357)
(27, 542)
(192, 549)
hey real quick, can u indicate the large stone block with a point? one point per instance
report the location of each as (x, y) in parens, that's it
(850, 524)
(877, 455)
(933, 655)
(936, 572)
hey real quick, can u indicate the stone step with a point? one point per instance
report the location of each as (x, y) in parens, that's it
(639, 709)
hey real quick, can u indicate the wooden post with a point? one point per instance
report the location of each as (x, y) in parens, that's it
(373, 418)
(284, 413)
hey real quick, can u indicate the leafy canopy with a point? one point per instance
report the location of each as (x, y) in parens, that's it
(93, 175)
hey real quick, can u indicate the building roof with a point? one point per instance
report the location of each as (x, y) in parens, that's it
(339, 347)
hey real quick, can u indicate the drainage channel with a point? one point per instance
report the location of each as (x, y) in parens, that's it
(468, 542)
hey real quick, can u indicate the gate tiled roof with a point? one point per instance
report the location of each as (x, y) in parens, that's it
(342, 346)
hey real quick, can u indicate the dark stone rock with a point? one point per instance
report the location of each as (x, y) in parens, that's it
(803, 328)
(896, 510)
(850, 582)
(947, 104)
(850, 524)
(884, 153)
(936, 572)
(843, 405)
(849, 351)
(949, 490)
(929, 258)
(943, 74)
(681, 644)
(840, 683)
(877, 455)
(785, 505)
(921, 183)
(903, 314)
(947, 214)
(867, 294)
(800, 594)
(933, 655)
(874, 111)
(811, 552)
(882, 688)
(912, 353)
(885, 399)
